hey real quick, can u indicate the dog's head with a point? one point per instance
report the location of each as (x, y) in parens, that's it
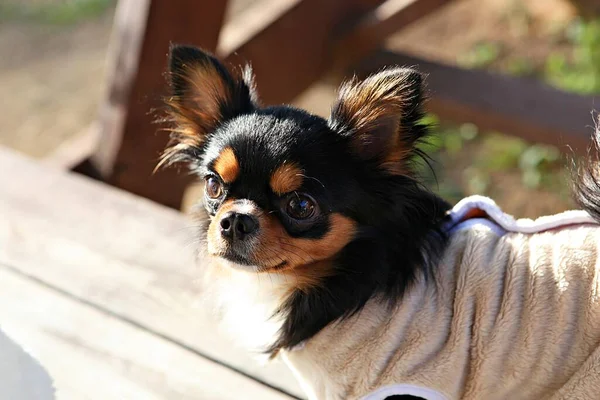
(289, 192)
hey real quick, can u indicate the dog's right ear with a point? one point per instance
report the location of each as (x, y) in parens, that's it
(381, 116)
(204, 94)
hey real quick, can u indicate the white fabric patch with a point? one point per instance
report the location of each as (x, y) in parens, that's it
(405, 389)
(500, 222)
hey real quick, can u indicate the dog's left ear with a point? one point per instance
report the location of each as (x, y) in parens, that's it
(381, 116)
(204, 95)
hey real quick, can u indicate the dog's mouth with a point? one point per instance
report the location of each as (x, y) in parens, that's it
(244, 262)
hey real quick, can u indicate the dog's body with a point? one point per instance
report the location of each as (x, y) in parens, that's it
(512, 316)
(321, 247)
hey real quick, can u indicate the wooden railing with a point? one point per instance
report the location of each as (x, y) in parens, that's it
(291, 44)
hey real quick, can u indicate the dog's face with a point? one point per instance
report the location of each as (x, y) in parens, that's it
(287, 191)
(271, 190)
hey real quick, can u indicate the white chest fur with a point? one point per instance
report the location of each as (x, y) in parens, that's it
(247, 303)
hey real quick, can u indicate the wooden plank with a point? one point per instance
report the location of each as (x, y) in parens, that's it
(522, 107)
(92, 355)
(130, 145)
(118, 251)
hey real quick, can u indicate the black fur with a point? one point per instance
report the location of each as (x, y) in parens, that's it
(586, 179)
(398, 232)
(398, 220)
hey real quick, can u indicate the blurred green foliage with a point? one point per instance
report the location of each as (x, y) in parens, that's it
(489, 153)
(577, 70)
(59, 12)
(520, 66)
(579, 73)
(482, 55)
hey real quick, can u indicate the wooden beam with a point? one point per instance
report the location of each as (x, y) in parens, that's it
(289, 43)
(130, 144)
(522, 107)
(368, 34)
(123, 62)
(258, 17)
(288, 54)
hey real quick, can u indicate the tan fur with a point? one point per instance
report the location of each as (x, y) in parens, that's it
(395, 161)
(307, 261)
(203, 102)
(511, 317)
(215, 242)
(195, 114)
(308, 276)
(372, 103)
(287, 178)
(276, 245)
(227, 165)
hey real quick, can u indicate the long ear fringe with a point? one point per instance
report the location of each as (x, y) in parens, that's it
(181, 148)
(381, 115)
(247, 76)
(203, 95)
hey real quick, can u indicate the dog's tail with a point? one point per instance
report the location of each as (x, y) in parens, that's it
(586, 178)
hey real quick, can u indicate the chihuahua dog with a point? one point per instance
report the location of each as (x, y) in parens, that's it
(321, 247)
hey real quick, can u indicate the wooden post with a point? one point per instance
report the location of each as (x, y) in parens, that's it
(129, 143)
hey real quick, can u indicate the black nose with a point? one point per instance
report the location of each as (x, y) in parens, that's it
(238, 226)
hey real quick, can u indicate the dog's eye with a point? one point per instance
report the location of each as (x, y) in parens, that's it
(213, 187)
(301, 206)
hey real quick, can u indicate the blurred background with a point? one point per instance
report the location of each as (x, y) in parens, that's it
(53, 76)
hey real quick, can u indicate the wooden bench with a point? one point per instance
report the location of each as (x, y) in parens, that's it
(101, 287)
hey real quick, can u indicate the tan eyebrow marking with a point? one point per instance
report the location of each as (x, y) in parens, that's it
(287, 178)
(227, 165)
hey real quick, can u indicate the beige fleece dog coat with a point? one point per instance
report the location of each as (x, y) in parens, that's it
(513, 313)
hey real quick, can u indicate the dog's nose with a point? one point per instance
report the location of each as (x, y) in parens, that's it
(238, 226)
